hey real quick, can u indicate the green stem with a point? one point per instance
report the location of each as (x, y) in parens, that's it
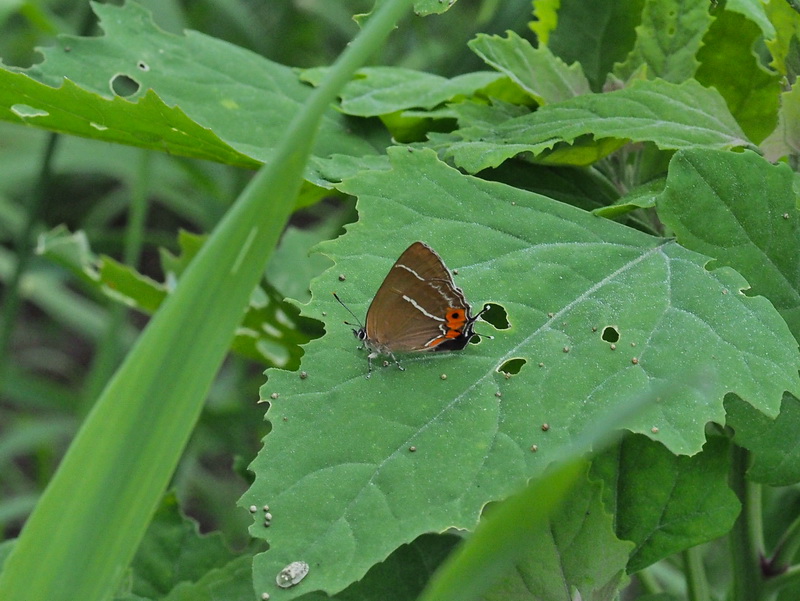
(773, 586)
(786, 549)
(746, 537)
(778, 569)
(696, 581)
(648, 582)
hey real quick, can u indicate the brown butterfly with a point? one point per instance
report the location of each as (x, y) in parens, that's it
(418, 307)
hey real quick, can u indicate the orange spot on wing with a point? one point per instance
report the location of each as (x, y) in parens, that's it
(456, 318)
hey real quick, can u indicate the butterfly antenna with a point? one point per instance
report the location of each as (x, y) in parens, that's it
(336, 296)
(481, 312)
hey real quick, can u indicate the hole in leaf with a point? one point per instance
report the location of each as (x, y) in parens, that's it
(124, 86)
(496, 315)
(512, 366)
(610, 334)
(143, 66)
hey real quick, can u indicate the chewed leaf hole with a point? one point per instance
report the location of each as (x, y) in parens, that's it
(124, 86)
(496, 315)
(512, 366)
(610, 334)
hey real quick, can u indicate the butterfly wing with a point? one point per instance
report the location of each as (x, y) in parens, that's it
(418, 307)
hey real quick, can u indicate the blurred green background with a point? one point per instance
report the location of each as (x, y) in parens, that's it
(60, 340)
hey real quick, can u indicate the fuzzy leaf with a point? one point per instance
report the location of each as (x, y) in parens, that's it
(338, 470)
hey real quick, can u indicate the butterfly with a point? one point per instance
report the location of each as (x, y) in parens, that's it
(418, 307)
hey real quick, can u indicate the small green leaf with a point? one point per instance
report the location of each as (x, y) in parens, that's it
(270, 332)
(752, 92)
(130, 287)
(755, 12)
(382, 90)
(667, 504)
(71, 251)
(432, 7)
(546, 19)
(536, 70)
(595, 34)
(785, 140)
(671, 116)
(787, 28)
(667, 40)
(641, 197)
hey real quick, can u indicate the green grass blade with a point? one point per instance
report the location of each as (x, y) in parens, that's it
(85, 530)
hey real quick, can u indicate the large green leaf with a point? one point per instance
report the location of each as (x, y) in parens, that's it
(149, 123)
(354, 467)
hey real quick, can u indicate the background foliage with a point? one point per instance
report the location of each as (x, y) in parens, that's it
(618, 181)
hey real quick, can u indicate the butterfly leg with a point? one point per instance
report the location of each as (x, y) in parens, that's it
(370, 357)
(396, 362)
